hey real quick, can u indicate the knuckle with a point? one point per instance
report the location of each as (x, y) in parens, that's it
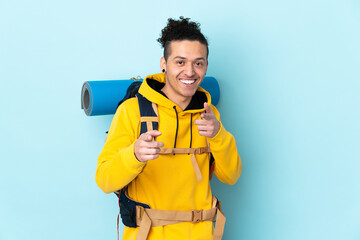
(153, 145)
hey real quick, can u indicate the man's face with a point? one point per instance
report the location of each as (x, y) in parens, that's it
(185, 69)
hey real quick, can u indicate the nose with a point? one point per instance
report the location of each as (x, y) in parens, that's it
(189, 70)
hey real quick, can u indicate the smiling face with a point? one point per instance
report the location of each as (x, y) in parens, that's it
(185, 69)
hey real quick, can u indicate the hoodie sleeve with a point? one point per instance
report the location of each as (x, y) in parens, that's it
(227, 160)
(117, 165)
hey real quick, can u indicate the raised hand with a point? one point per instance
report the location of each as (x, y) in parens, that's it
(146, 148)
(208, 125)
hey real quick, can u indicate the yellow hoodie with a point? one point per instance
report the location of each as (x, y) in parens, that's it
(168, 182)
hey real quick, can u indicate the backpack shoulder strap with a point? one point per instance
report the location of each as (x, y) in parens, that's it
(148, 114)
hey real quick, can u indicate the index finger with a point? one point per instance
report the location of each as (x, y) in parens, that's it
(207, 108)
(149, 136)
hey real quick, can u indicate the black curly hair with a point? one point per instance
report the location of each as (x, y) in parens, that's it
(182, 29)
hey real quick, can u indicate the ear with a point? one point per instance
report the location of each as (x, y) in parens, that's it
(162, 63)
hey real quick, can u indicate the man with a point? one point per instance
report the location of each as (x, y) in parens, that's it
(168, 169)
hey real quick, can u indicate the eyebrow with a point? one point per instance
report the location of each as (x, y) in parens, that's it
(200, 58)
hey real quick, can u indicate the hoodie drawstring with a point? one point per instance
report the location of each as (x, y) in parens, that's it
(177, 127)
(190, 131)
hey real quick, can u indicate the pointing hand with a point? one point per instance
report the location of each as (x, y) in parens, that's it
(208, 126)
(146, 148)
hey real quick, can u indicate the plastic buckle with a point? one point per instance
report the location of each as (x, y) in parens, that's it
(197, 216)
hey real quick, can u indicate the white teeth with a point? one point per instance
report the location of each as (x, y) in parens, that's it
(187, 81)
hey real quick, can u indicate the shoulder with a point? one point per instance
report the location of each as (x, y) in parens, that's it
(128, 110)
(126, 119)
(130, 105)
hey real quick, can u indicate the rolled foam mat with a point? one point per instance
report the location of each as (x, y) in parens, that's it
(102, 97)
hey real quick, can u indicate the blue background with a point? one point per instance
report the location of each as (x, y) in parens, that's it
(289, 73)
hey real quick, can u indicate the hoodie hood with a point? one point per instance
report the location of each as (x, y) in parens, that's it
(151, 89)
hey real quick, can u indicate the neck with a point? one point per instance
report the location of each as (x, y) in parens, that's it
(182, 102)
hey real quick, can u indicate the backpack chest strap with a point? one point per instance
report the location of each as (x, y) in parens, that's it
(199, 150)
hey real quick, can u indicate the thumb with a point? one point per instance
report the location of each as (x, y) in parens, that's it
(207, 108)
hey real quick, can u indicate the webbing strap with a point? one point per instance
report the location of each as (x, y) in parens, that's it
(118, 216)
(196, 168)
(220, 224)
(148, 114)
(149, 126)
(149, 119)
(162, 217)
(192, 151)
(154, 106)
(145, 226)
(147, 218)
(200, 150)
